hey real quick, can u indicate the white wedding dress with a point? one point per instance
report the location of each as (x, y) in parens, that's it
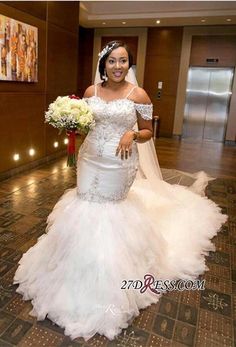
(112, 228)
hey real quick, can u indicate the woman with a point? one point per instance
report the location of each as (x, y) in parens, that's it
(114, 229)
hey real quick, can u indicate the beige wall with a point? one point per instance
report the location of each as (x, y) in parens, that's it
(183, 74)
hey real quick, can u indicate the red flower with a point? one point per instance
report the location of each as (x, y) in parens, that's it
(73, 96)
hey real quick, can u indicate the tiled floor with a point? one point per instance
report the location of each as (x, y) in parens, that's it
(189, 318)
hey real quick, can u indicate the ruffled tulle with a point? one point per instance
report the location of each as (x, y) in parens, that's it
(75, 271)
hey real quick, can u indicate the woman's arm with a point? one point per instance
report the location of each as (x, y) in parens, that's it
(145, 126)
(145, 131)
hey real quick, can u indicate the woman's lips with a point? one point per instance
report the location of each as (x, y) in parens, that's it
(117, 74)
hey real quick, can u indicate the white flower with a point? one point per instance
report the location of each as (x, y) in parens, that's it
(67, 113)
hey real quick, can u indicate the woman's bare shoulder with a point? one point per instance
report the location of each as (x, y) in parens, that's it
(140, 96)
(89, 91)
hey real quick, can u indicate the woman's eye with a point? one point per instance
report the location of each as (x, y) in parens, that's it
(111, 61)
(123, 61)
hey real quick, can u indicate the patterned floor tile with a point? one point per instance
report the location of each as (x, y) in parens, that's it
(41, 337)
(219, 271)
(6, 252)
(188, 314)
(5, 344)
(24, 313)
(15, 306)
(219, 258)
(7, 291)
(204, 339)
(191, 297)
(184, 333)
(47, 323)
(218, 283)
(5, 320)
(174, 295)
(16, 331)
(163, 326)
(67, 342)
(158, 341)
(168, 307)
(216, 302)
(130, 337)
(5, 266)
(145, 320)
(97, 341)
(215, 324)
(8, 277)
(222, 246)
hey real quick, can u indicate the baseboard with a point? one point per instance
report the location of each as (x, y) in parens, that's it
(230, 143)
(12, 172)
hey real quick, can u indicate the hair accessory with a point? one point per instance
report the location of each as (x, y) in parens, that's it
(105, 50)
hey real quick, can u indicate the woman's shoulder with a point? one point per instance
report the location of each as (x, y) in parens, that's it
(140, 96)
(90, 91)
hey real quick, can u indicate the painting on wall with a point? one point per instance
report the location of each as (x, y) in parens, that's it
(18, 51)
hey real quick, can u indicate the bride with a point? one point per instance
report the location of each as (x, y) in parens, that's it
(120, 224)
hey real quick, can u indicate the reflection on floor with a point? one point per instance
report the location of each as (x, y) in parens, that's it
(215, 158)
(189, 318)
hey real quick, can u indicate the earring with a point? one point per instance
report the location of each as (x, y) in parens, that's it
(105, 75)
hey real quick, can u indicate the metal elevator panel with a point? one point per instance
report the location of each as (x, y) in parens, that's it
(207, 103)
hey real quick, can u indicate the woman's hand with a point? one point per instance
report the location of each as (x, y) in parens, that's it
(125, 145)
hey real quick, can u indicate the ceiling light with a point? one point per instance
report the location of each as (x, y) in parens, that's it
(123, 22)
(203, 20)
(104, 23)
(228, 19)
(158, 21)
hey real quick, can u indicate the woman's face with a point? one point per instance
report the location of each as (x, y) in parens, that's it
(117, 64)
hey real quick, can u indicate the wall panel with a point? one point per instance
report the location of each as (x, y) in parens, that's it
(162, 64)
(21, 126)
(22, 105)
(85, 67)
(221, 47)
(61, 61)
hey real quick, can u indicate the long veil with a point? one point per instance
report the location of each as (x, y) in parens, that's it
(149, 168)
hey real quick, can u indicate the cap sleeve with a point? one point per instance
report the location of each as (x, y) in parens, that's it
(145, 110)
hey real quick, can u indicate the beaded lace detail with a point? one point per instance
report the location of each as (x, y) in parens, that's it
(145, 110)
(113, 119)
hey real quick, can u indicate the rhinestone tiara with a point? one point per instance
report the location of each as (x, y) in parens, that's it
(105, 50)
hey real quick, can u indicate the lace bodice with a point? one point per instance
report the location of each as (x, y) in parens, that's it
(103, 176)
(117, 116)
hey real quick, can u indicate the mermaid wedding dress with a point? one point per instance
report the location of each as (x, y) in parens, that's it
(113, 227)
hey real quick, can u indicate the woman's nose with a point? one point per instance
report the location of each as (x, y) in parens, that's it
(117, 64)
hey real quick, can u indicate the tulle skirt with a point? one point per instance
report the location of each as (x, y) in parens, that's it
(76, 273)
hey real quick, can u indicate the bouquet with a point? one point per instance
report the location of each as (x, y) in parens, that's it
(70, 113)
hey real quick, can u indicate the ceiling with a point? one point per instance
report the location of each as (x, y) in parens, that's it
(122, 13)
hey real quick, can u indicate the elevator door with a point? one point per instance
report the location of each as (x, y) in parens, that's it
(207, 103)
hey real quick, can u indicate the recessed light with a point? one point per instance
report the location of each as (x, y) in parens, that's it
(123, 22)
(228, 19)
(104, 23)
(203, 20)
(158, 21)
